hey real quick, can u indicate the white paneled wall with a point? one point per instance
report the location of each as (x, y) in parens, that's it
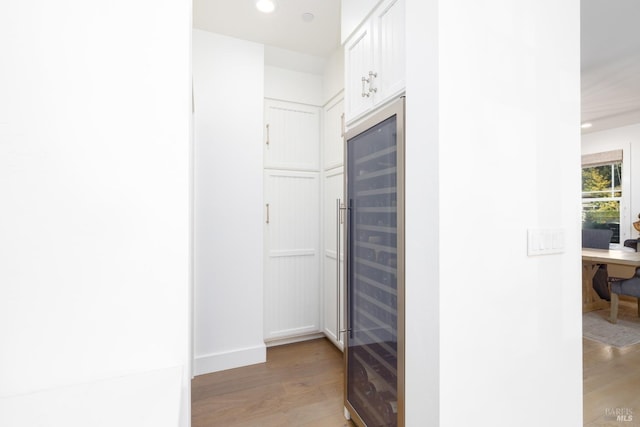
(390, 45)
(333, 287)
(292, 250)
(333, 152)
(293, 201)
(332, 190)
(292, 136)
(292, 220)
(303, 178)
(358, 54)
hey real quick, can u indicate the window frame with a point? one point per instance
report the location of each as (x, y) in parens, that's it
(603, 158)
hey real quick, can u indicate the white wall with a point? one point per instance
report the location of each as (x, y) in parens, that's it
(292, 60)
(626, 138)
(422, 218)
(94, 224)
(333, 76)
(500, 113)
(294, 86)
(228, 81)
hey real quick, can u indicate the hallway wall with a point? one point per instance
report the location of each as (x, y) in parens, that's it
(94, 224)
(493, 150)
(228, 81)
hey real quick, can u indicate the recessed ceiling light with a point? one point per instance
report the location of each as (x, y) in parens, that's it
(307, 17)
(586, 125)
(266, 6)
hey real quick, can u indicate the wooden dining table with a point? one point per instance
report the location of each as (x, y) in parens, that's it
(620, 264)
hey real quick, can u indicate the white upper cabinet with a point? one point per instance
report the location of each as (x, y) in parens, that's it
(375, 60)
(292, 136)
(358, 64)
(389, 45)
(353, 12)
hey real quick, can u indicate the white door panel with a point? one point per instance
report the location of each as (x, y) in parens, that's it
(292, 276)
(358, 63)
(390, 48)
(333, 293)
(292, 136)
(333, 142)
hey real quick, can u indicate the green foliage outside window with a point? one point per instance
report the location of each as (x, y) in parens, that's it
(601, 194)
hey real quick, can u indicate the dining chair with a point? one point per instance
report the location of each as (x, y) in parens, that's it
(631, 243)
(596, 238)
(599, 239)
(629, 287)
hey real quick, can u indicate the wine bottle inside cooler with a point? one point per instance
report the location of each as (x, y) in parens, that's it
(378, 383)
(358, 372)
(387, 406)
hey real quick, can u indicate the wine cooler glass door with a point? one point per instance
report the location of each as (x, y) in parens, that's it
(372, 285)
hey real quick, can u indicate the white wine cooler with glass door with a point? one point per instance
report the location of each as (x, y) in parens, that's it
(374, 252)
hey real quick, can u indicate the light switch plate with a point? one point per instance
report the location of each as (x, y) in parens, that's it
(545, 241)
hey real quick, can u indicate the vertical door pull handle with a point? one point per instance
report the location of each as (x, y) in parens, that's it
(365, 93)
(267, 213)
(348, 285)
(340, 208)
(267, 134)
(372, 75)
(338, 217)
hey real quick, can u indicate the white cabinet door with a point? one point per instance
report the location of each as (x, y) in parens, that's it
(292, 136)
(292, 230)
(389, 49)
(332, 269)
(375, 60)
(358, 63)
(333, 286)
(333, 139)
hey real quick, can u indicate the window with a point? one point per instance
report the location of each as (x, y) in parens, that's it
(602, 191)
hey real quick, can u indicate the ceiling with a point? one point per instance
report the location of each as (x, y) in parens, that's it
(610, 52)
(282, 29)
(610, 46)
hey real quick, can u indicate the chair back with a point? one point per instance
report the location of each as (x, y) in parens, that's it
(631, 243)
(596, 238)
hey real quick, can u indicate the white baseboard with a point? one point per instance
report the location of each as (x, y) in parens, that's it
(332, 337)
(229, 360)
(290, 340)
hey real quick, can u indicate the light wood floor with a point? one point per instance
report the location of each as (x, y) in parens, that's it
(302, 385)
(299, 385)
(611, 379)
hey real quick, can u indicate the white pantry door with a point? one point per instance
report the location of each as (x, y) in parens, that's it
(292, 136)
(292, 282)
(292, 220)
(332, 190)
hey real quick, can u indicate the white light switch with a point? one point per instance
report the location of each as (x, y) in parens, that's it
(545, 241)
